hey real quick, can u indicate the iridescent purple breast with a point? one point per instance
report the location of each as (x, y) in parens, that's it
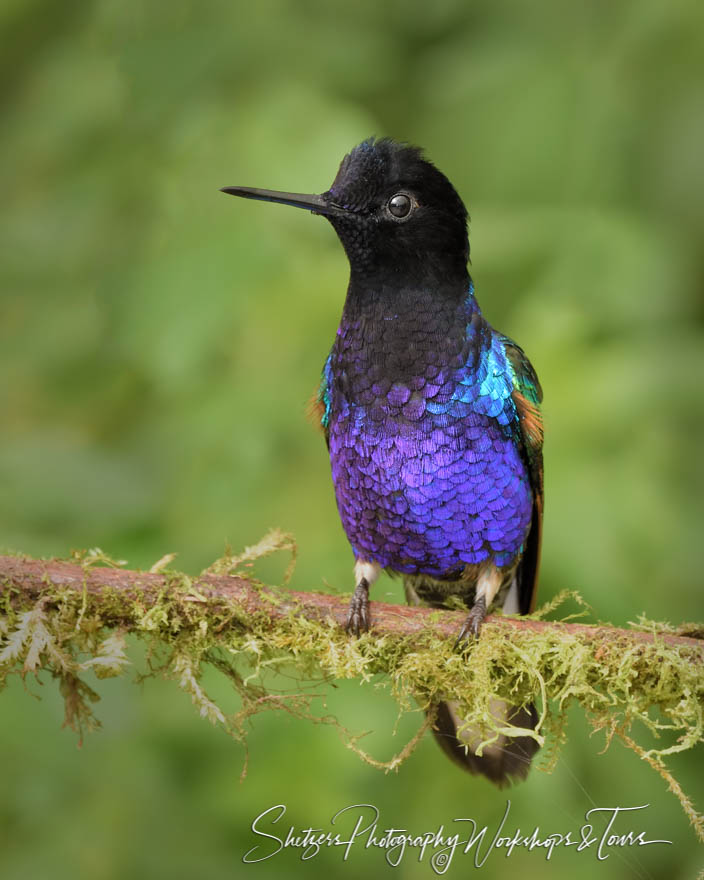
(425, 461)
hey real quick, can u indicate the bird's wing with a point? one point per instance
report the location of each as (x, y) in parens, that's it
(527, 396)
(318, 409)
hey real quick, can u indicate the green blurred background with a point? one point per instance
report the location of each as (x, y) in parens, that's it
(159, 342)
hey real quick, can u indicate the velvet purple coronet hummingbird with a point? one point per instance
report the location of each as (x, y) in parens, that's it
(431, 417)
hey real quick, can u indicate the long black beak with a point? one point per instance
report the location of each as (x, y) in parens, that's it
(316, 204)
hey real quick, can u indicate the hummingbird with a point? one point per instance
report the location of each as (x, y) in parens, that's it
(431, 417)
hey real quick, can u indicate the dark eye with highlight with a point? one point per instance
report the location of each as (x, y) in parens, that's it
(400, 206)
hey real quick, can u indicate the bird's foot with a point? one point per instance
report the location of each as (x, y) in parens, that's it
(473, 623)
(358, 617)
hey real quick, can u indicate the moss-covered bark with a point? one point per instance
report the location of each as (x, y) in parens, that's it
(71, 618)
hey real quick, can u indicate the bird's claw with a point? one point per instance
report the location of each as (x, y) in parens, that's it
(473, 623)
(358, 617)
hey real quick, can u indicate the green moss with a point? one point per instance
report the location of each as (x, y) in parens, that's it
(618, 682)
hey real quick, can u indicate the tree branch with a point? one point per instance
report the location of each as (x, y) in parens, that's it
(70, 618)
(36, 578)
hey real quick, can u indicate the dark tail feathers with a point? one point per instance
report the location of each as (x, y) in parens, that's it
(503, 762)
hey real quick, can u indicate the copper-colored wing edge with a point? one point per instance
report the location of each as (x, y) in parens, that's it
(531, 422)
(315, 410)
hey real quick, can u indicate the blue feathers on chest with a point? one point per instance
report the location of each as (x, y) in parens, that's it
(423, 436)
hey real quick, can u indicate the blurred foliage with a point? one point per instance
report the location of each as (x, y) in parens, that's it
(159, 342)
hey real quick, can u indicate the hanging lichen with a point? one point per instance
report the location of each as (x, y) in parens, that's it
(617, 682)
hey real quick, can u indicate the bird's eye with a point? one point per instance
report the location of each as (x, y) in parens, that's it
(400, 206)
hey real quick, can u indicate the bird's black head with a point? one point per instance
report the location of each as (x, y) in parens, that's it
(396, 215)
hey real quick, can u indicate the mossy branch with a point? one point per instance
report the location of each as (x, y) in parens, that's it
(34, 579)
(71, 618)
